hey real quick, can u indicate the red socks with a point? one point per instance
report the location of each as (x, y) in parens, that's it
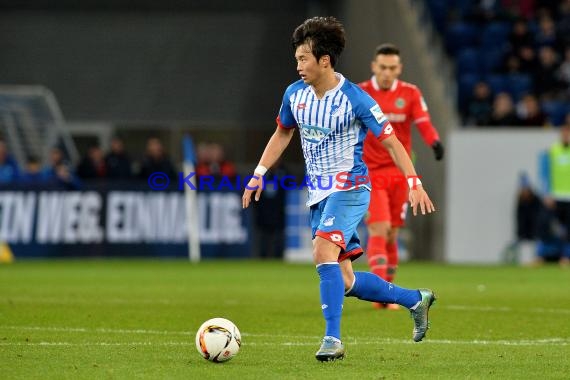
(392, 254)
(377, 257)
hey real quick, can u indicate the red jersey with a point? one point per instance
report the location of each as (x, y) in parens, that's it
(403, 104)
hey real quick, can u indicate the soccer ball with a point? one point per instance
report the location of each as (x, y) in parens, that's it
(218, 340)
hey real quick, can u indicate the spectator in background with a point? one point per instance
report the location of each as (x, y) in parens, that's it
(528, 210)
(480, 106)
(529, 112)
(93, 164)
(546, 34)
(520, 35)
(270, 214)
(484, 11)
(212, 161)
(503, 111)
(563, 73)
(59, 172)
(563, 25)
(117, 162)
(156, 160)
(546, 79)
(33, 174)
(527, 59)
(9, 170)
(555, 176)
(519, 9)
(512, 65)
(547, 8)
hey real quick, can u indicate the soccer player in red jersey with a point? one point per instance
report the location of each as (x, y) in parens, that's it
(403, 104)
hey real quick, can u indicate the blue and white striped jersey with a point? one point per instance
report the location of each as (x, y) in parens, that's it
(332, 133)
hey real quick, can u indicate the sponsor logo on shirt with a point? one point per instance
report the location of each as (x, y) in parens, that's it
(313, 134)
(378, 114)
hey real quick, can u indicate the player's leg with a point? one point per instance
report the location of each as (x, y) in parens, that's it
(398, 198)
(325, 255)
(392, 254)
(332, 291)
(376, 249)
(392, 267)
(370, 287)
(336, 218)
(563, 214)
(378, 226)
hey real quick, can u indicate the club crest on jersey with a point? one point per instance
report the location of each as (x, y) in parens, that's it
(378, 114)
(400, 103)
(313, 134)
(336, 110)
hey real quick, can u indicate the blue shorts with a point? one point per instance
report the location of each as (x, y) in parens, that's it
(336, 218)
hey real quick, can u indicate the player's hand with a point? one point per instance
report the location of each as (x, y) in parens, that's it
(419, 197)
(438, 150)
(549, 202)
(255, 184)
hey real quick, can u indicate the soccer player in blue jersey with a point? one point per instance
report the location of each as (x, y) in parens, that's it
(333, 116)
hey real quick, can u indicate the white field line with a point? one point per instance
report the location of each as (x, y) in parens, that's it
(493, 309)
(537, 342)
(313, 338)
(114, 301)
(96, 330)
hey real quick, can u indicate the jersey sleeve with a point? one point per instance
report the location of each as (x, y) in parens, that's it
(422, 120)
(285, 118)
(371, 115)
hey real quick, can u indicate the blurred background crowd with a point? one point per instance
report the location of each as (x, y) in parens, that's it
(512, 59)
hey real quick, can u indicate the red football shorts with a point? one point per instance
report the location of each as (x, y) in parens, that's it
(389, 197)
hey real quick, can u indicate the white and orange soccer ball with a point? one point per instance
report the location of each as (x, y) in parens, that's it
(218, 340)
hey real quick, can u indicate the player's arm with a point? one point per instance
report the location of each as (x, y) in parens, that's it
(372, 116)
(418, 195)
(273, 150)
(422, 120)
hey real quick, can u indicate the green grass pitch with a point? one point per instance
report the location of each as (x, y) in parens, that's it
(138, 319)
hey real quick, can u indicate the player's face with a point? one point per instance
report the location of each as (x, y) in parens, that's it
(307, 65)
(386, 68)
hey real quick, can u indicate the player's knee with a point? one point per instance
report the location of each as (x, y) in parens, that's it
(324, 251)
(347, 274)
(379, 229)
(392, 235)
(348, 280)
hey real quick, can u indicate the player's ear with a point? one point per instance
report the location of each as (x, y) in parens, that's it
(325, 60)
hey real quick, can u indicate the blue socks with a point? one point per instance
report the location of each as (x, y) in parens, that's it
(332, 296)
(369, 287)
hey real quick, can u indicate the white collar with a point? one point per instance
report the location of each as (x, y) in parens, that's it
(377, 86)
(333, 90)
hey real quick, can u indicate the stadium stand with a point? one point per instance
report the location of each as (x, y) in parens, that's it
(516, 47)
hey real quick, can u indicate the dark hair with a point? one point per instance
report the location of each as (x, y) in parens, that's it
(325, 36)
(387, 49)
(33, 159)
